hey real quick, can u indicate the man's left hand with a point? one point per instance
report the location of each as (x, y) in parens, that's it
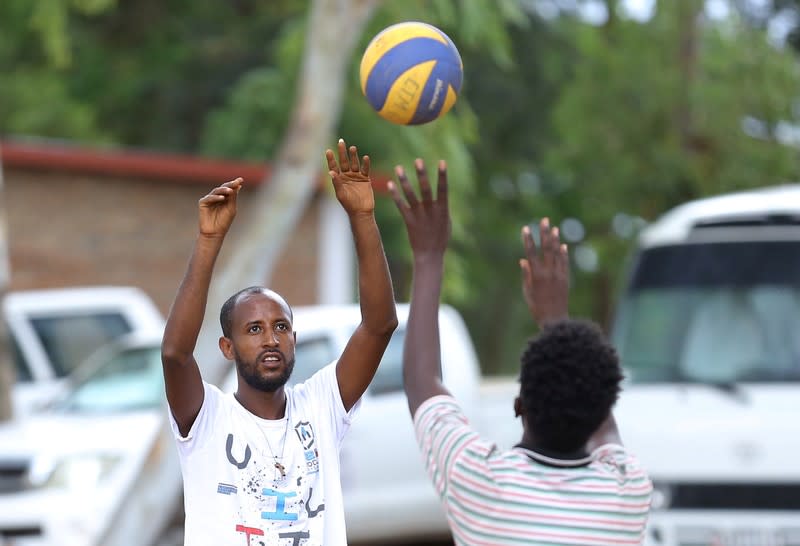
(351, 180)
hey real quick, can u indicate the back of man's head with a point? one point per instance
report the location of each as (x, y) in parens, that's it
(569, 382)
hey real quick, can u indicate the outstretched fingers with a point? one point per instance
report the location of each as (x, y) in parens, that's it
(527, 274)
(424, 184)
(348, 160)
(344, 160)
(408, 191)
(545, 241)
(529, 245)
(401, 204)
(333, 167)
(554, 247)
(355, 165)
(563, 260)
(555, 242)
(365, 165)
(550, 252)
(441, 185)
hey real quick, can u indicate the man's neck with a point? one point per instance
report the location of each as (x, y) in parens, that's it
(266, 405)
(529, 442)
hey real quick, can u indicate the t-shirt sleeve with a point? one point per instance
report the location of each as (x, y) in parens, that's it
(625, 467)
(203, 423)
(322, 391)
(450, 447)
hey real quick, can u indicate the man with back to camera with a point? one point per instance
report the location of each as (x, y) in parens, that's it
(569, 481)
(261, 465)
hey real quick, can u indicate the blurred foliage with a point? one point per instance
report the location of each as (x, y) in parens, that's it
(684, 110)
(600, 126)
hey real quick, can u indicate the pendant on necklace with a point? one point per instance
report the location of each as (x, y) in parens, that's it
(281, 469)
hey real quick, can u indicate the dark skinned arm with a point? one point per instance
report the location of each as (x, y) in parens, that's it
(362, 355)
(183, 383)
(427, 223)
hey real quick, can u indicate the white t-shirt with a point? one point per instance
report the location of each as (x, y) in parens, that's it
(233, 493)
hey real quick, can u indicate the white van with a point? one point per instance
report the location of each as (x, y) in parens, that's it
(52, 331)
(708, 329)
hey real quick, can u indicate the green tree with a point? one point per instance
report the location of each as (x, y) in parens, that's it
(35, 97)
(687, 108)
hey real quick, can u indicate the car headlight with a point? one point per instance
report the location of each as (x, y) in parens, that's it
(85, 470)
(661, 498)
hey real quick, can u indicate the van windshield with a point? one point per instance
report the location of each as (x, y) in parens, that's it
(712, 313)
(69, 339)
(312, 355)
(125, 379)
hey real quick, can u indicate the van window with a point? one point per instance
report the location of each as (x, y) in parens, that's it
(389, 377)
(713, 312)
(69, 339)
(125, 380)
(311, 355)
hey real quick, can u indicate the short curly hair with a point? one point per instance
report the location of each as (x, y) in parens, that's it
(570, 379)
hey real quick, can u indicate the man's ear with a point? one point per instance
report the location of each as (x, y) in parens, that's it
(517, 407)
(226, 346)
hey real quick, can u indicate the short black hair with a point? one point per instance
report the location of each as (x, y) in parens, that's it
(225, 313)
(570, 379)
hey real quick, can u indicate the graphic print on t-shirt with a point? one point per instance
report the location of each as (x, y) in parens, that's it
(305, 433)
(270, 505)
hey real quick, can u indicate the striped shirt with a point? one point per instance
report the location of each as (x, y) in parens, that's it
(495, 497)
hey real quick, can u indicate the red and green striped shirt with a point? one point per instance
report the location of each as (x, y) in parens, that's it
(494, 497)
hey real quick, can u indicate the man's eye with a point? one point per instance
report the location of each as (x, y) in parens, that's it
(282, 327)
(254, 328)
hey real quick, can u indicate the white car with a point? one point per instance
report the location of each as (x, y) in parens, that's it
(52, 331)
(97, 467)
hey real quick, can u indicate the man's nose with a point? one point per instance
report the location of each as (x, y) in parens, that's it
(270, 338)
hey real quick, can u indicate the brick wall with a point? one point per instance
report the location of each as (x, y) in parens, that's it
(68, 229)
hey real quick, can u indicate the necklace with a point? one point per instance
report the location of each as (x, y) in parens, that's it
(277, 460)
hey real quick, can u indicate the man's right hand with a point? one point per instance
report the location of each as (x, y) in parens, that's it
(545, 275)
(427, 219)
(218, 209)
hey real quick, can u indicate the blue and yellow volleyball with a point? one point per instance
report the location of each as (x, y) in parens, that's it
(411, 73)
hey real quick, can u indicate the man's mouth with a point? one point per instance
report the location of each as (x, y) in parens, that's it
(271, 358)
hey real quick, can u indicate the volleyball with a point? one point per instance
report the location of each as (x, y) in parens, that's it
(411, 73)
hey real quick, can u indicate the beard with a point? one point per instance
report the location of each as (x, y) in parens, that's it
(249, 372)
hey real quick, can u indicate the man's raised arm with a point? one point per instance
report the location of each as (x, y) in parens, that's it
(182, 379)
(360, 359)
(427, 222)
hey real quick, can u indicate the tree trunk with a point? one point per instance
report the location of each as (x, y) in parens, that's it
(334, 28)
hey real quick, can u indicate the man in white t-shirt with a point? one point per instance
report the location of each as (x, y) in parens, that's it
(261, 465)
